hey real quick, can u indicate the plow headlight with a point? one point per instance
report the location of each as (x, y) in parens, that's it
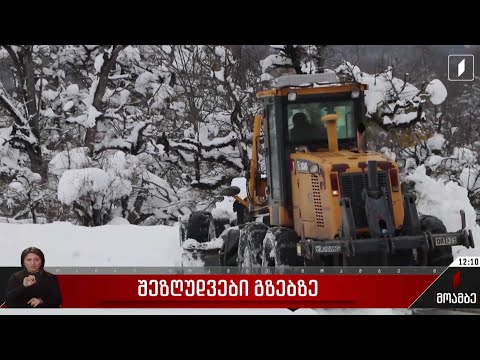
(292, 96)
(401, 163)
(313, 169)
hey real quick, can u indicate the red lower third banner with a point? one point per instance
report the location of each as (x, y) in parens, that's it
(242, 291)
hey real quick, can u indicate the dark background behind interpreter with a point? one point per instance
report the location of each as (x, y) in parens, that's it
(5, 273)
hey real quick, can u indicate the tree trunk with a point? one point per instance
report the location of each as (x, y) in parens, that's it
(37, 163)
(108, 62)
(30, 95)
(133, 217)
(23, 62)
(97, 217)
(320, 57)
(34, 216)
(293, 53)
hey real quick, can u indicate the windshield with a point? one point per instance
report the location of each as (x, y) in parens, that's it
(306, 127)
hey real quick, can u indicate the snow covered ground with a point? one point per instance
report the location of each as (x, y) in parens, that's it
(127, 245)
(445, 200)
(65, 244)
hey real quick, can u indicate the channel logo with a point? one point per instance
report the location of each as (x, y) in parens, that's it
(461, 67)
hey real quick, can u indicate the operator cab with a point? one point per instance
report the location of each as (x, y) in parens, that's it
(305, 125)
(305, 99)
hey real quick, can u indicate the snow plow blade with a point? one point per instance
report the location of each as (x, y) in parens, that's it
(196, 253)
(387, 244)
(199, 241)
(200, 258)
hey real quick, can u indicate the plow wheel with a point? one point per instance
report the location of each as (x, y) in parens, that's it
(280, 247)
(250, 244)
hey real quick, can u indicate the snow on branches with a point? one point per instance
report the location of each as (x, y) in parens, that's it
(391, 101)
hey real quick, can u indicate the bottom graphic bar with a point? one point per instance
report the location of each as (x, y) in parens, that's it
(242, 291)
(457, 287)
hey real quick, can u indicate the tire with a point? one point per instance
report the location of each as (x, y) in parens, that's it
(280, 247)
(439, 256)
(229, 251)
(201, 227)
(250, 244)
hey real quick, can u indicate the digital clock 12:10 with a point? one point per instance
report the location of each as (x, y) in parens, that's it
(465, 261)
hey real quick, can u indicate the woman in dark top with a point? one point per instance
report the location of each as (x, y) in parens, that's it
(33, 286)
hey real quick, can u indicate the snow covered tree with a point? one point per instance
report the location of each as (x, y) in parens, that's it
(51, 83)
(296, 59)
(23, 106)
(391, 101)
(150, 133)
(457, 158)
(24, 166)
(212, 109)
(132, 97)
(180, 116)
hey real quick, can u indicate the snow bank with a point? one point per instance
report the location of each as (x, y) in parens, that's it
(470, 179)
(445, 200)
(118, 221)
(65, 244)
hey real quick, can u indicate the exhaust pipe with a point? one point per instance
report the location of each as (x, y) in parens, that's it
(330, 121)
